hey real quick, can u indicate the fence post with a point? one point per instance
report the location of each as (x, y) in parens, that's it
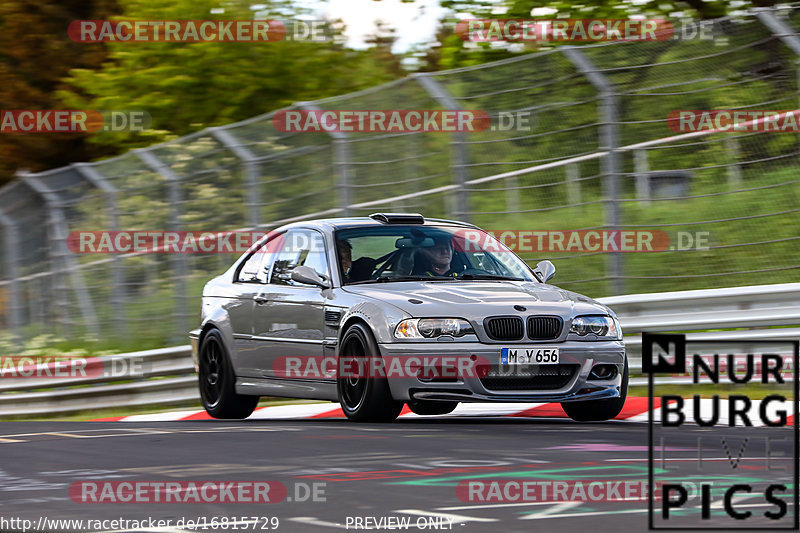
(251, 170)
(734, 170)
(608, 143)
(11, 254)
(341, 161)
(512, 195)
(110, 195)
(641, 168)
(460, 157)
(573, 183)
(782, 31)
(779, 28)
(59, 252)
(178, 260)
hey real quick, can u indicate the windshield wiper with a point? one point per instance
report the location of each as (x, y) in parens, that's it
(489, 276)
(468, 277)
(386, 279)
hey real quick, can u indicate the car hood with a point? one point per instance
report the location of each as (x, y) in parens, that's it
(478, 299)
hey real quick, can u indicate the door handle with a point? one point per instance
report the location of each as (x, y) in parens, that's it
(260, 300)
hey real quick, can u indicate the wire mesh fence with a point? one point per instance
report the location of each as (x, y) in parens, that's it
(597, 154)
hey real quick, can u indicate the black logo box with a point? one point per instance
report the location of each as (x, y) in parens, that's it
(664, 342)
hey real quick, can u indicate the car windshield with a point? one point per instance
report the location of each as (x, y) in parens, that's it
(377, 254)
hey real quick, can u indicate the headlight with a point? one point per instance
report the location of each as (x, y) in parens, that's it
(429, 328)
(601, 326)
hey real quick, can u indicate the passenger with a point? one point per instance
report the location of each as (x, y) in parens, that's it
(345, 250)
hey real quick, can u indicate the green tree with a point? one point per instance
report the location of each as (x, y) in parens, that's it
(188, 86)
(453, 52)
(35, 54)
(599, 8)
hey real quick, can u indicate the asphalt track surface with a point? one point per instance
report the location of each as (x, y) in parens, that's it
(408, 470)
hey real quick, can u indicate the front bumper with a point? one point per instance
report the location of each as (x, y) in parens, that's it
(470, 388)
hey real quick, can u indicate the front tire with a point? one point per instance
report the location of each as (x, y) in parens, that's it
(599, 410)
(363, 397)
(217, 381)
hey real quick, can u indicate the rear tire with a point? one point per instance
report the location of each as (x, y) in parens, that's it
(217, 381)
(599, 410)
(364, 398)
(431, 407)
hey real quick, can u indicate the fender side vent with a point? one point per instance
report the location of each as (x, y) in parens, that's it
(332, 318)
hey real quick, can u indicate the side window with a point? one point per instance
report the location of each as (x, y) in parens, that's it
(256, 267)
(300, 247)
(314, 256)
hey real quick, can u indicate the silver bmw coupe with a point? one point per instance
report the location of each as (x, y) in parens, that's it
(393, 309)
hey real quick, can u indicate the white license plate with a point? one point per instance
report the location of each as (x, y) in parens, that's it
(529, 356)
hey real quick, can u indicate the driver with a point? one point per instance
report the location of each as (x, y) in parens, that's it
(437, 258)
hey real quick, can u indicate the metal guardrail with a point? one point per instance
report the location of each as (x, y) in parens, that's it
(737, 307)
(756, 306)
(167, 374)
(164, 376)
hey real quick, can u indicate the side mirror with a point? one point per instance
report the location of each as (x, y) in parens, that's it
(309, 276)
(544, 271)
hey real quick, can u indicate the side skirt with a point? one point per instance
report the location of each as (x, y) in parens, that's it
(285, 388)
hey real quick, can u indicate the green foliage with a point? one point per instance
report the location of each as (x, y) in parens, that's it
(608, 9)
(453, 52)
(33, 48)
(48, 348)
(188, 86)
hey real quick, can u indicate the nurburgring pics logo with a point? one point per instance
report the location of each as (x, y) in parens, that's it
(746, 464)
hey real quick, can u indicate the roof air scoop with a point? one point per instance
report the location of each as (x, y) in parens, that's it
(398, 218)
